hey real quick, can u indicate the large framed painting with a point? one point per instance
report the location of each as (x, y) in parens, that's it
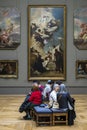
(46, 42)
(81, 69)
(9, 28)
(8, 69)
(80, 28)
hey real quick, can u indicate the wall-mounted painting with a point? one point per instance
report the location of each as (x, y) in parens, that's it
(9, 28)
(81, 69)
(46, 42)
(8, 69)
(80, 28)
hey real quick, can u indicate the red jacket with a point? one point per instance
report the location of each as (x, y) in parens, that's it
(36, 97)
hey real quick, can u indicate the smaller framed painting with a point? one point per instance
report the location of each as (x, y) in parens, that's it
(80, 28)
(9, 28)
(81, 69)
(8, 69)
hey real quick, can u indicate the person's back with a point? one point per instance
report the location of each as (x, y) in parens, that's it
(36, 97)
(62, 100)
(63, 97)
(47, 90)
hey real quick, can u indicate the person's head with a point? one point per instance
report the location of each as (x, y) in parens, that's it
(56, 87)
(34, 81)
(49, 81)
(62, 88)
(35, 87)
(59, 82)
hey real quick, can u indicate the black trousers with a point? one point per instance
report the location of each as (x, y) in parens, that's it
(24, 104)
(70, 117)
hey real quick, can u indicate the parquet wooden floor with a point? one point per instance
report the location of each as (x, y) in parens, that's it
(11, 119)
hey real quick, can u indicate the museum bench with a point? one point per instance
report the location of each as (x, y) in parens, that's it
(59, 116)
(50, 116)
(42, 116)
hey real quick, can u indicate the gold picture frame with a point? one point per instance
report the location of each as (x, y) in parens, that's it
(9, 28)
(47, 42)
(8, 69)
(81, 69)
(80, 28)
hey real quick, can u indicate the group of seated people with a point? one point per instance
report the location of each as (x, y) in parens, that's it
(54, 94)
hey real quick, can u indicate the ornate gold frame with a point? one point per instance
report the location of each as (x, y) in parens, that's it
(80, 25)
(81, 69)
(56, 37)
(9, 28)
(8, 69)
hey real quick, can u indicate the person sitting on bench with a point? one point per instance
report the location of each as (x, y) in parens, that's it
(35, 99)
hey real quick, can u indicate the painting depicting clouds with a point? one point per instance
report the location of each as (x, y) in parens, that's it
(9, 28)
(80, 28)
(47, 42)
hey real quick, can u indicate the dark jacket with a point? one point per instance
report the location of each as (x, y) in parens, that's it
(63, 99)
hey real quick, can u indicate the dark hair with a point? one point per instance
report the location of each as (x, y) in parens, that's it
(50, 82)
(36, 81)
(59, 82)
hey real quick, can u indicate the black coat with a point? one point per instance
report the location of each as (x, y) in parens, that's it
(63, 99)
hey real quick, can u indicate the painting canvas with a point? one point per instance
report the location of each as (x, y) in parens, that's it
(9, 28)
(81, 69)
(47, 42)
(80, 28)
(8, 69)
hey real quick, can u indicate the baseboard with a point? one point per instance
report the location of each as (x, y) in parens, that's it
(26, 89)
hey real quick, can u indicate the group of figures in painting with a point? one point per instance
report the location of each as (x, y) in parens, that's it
(9, 39)
(81, 71)
(52, 62)
(47, 41)
(80, 28)
(8, 68)
(9, 28)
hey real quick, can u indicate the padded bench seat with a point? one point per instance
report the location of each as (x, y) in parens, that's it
(59, 116)
(42, 115)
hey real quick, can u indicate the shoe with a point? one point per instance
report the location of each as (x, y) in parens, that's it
(26, 117)
(21, 110)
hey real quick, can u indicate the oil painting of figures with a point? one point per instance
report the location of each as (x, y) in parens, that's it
(9, 28)
(80, 28)
(8, 68)
(81, 69)
(47, 42)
